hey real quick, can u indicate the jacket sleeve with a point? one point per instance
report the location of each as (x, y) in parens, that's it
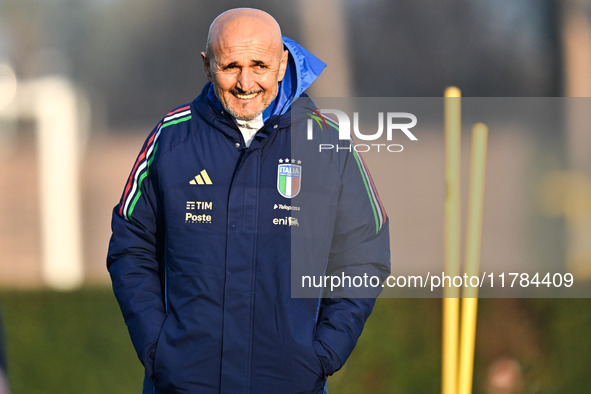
(134, 255)
(360, 249)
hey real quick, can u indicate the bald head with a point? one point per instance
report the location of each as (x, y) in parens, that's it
(242, 22)
(245, 61)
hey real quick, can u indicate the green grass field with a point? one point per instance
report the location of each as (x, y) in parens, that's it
(68, 343)
(76, 342)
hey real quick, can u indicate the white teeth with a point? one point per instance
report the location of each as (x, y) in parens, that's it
(246, 96)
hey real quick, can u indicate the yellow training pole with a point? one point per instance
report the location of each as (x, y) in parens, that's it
(451, 238)
(473, 240)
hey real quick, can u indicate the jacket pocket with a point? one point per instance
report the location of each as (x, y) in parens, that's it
(159, 349)
(324, 358)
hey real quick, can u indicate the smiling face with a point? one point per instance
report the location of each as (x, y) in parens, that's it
(245, 61)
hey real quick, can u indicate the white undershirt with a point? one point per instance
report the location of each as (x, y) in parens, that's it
(249, 128)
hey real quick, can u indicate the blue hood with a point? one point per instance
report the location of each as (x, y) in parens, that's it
(303, 69)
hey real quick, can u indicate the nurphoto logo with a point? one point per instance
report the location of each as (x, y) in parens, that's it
(395, 122)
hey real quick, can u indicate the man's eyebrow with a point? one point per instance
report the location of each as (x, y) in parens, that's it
(230, 65)
(258, 62)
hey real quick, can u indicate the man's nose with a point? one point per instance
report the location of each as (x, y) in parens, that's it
(245, 80)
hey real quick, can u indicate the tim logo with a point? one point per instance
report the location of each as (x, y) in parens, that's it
(289, 179)
(394, 121)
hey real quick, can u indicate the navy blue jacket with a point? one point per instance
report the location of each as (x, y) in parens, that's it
(210, 236)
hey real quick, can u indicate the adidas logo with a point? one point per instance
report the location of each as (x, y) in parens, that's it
(201, 179)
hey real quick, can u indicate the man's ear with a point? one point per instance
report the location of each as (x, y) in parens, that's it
(283, 65)
(206, 66)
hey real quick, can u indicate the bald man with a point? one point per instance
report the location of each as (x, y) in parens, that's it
(245, 61)
(207, 237)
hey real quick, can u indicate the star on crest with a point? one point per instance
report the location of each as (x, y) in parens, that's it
(288, 160)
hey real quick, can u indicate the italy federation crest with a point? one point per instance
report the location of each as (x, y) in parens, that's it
(289, 179)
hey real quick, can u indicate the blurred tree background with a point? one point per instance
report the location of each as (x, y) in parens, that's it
(135, 58)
